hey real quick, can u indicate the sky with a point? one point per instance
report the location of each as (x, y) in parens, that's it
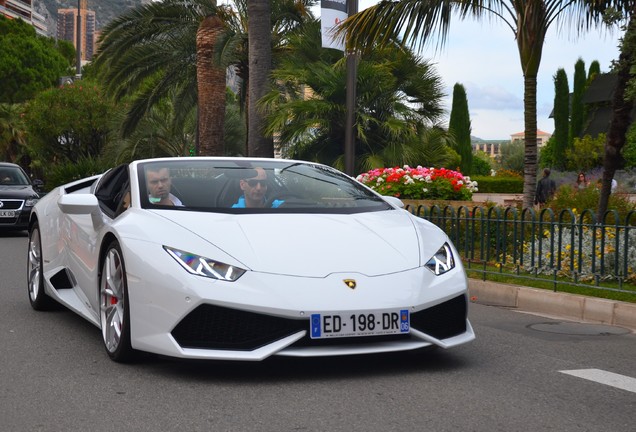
(483, 57)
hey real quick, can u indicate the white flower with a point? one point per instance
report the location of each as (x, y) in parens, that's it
(380, 180)
(424, 190)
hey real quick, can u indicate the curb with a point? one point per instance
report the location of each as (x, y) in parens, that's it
(564, 305)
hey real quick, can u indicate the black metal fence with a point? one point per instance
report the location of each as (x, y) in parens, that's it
(563, 249)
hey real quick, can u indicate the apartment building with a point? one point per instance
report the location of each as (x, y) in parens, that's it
(67, 29)
(23, 9)
(542, 137)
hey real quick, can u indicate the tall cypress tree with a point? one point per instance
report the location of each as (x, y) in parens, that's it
(561, 117)
(595, 69)
(577, 110)
(459, 126)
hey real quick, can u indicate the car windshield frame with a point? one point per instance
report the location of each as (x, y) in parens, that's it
(217, 185)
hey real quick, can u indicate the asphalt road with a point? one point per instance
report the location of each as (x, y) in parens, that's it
(55, 376)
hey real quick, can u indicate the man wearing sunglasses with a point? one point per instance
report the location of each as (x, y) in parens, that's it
(254, 191)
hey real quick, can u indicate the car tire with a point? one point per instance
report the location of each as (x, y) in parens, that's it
(38, 298)
(114, 308)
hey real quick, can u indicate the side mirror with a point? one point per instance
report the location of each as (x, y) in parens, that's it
(394, 201)
(78, 203)
(38, 184)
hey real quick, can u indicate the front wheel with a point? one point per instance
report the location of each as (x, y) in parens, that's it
(114, 307)
(35, 277)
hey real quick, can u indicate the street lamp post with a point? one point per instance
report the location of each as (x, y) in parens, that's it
(352, 72)
(78, 43)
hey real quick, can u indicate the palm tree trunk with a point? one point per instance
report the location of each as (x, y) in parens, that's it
(211, 90)
(530, 126)
(621, 116)
(260, 65)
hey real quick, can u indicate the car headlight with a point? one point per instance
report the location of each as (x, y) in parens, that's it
(442, 261)
(206, 267)
(30, 202)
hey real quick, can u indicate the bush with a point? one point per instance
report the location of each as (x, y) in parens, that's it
(482, 164)
(419, 183)
(567, 197)
(67, 172)
(490, 184)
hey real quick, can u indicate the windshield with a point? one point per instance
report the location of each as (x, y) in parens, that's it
(13, 176)
(252, 186)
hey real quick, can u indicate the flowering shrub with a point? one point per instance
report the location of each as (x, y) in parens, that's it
(596, 253)
(419, 183)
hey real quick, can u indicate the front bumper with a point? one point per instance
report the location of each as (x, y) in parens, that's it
(182, 315)
(253, 336)
(19, 222)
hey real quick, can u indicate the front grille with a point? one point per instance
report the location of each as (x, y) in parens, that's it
(9, 204)
(215, 327)
(443, 320)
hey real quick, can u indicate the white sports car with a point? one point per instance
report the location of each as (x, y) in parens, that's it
(241, 259)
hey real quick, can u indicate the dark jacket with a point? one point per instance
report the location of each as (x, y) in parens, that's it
(545, 189)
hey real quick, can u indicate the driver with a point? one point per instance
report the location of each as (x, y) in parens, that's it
(254, 190)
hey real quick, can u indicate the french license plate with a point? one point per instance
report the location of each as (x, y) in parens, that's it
(353, 324)
(7, 213)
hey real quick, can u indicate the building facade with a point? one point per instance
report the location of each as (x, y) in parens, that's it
(542, 137)
(67, 29)
(23, 9)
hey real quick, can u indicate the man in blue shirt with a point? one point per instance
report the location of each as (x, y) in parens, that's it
(254, 190)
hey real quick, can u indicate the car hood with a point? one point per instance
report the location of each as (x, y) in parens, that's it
(23, 191)
(312, 245)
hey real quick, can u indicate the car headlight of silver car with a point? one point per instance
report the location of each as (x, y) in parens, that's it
(442, 261)
(202, 266)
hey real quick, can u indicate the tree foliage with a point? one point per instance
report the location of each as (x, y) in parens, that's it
(578, 89)
(586, 153)
(512, 156)
(28, 63)
(416, 22)
(459, 126)
(561, 119)
(595, 69)
(12, 134)
(622, 107)
(398, 100)
(68, 123)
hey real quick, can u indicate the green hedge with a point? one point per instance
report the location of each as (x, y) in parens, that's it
(489, 184)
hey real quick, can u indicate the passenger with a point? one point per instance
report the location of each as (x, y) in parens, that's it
(159, 185)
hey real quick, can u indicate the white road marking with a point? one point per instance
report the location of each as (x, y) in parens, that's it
(603, 377)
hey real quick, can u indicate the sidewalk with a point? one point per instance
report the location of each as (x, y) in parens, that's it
(554, 304)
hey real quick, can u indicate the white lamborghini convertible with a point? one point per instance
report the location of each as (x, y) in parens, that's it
(242, 259)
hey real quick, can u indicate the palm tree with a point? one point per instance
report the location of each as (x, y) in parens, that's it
(399, 100)
(12, 133)
(415, 21)
(183, 47)
(234, 45)
(259, 31)
(164, 48)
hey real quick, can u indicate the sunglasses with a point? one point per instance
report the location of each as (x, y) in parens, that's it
(253, 182)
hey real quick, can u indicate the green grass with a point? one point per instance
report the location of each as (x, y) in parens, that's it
(567, 285)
